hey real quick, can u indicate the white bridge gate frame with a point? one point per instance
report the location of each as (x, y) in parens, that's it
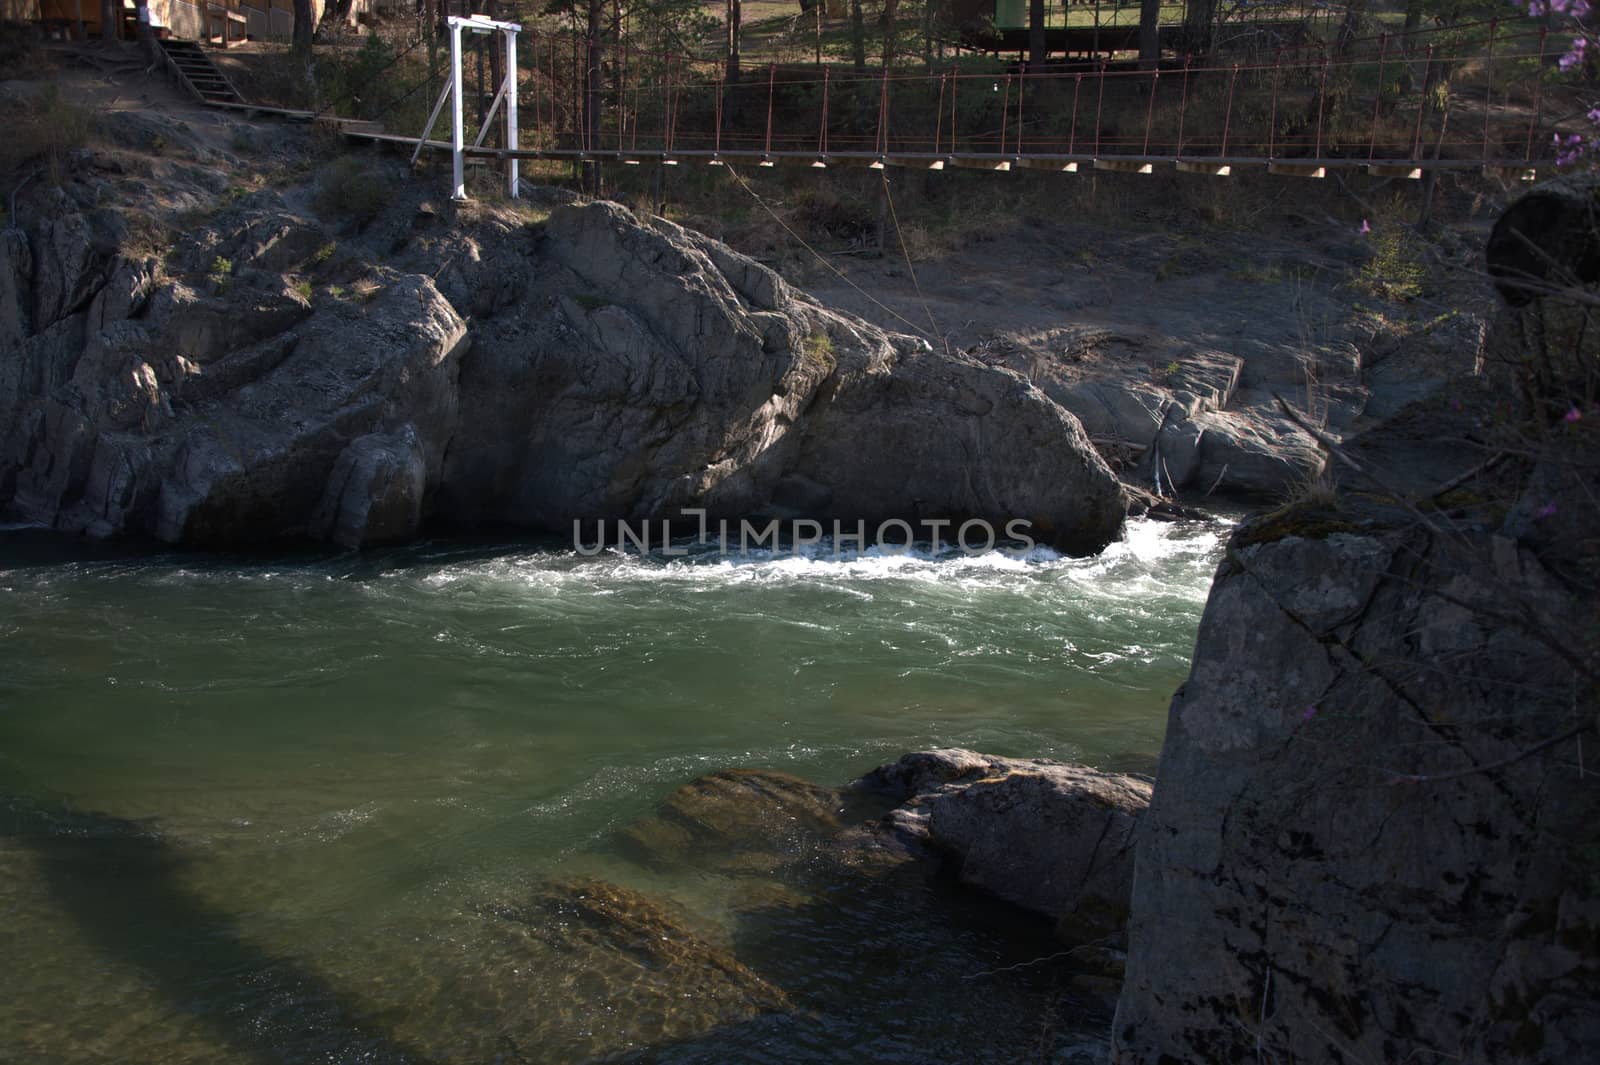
(505, 94)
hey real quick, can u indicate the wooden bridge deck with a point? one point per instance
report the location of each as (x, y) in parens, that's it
(1215, 165)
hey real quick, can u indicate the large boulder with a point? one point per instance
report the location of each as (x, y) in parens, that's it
(648, 369)
(1361, 843)
(264, 381)
(1049, 837)
(1371, 837)
(214, 404)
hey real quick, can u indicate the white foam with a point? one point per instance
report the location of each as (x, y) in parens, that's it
(1155, 558)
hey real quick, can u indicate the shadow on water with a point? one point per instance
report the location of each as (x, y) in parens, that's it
(902, 967)
(122, 883)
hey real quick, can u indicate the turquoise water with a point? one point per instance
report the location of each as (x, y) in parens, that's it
(255, 808)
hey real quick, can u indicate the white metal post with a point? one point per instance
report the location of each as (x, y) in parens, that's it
(457, 132)
(507, 92)
(512, 168)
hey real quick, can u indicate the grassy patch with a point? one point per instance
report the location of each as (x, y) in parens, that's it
(146, 237)
(1309, 519)
(818, 351)
(44, 131)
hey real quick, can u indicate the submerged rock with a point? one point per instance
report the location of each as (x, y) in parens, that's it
(617, 968)
(736, 820)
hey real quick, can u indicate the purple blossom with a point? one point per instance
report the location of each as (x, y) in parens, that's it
(1575, 8)
(1365, 229)
(1574, 54)
(1544, 512)
(1572, 415)
(1594, 116)
(1307, 714)
(1568, 149)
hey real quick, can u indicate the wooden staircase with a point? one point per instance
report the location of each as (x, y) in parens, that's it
(198, 74)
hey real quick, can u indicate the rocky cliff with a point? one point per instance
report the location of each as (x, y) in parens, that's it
(1372, 833)
(264, 375)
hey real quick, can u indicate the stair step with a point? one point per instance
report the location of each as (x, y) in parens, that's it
(195, 68)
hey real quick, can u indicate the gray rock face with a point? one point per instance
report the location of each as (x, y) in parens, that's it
(613, 369)
(1362, 845)
(138, 403)
(1052, 838)
(649, 369)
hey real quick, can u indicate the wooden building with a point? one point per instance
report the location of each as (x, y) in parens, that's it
(188, 19)
(1070, 28)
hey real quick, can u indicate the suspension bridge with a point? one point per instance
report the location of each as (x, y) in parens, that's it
(1464, 98)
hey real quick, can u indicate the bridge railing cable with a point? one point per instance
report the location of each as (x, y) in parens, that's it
(1374, 100)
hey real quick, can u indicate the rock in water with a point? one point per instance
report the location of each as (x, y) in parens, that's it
(594, 366)
(1052, 838)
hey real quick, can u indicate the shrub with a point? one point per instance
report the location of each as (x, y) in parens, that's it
(221, 271)
(1394, 272)
(351, 191)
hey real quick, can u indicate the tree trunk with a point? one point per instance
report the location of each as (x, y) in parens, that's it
(1355, 11)
(594, 89)
(927, 36)
(475, 43)
(1413, 20)
(1198, 24)
(334, 16)
(890, 9)
(1149, 33)
(110, 15)
(147, 36)
(304, 29)
(1036, 45)
(858, 37)
(735, 19)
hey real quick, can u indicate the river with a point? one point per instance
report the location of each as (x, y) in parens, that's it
(251, 806)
